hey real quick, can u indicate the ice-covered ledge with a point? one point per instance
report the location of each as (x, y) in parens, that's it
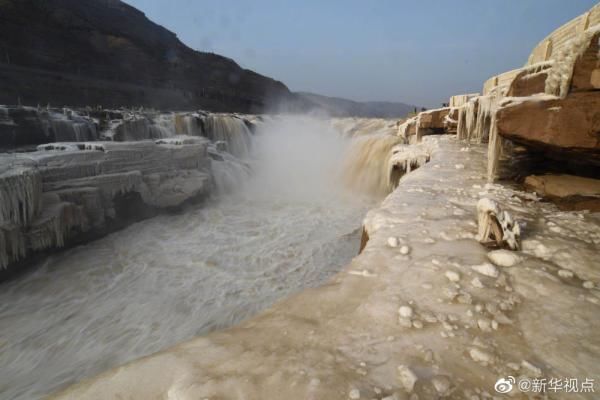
(67, 193)
(421, 309)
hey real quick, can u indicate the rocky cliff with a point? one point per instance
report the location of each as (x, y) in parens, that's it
(547, 111)
(105, 52)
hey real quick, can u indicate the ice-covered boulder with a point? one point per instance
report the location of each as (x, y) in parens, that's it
(496, 226)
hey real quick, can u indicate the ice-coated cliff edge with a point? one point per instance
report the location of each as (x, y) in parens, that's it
(54, 195)
(549, 108)
(425, 309)
(70, 176)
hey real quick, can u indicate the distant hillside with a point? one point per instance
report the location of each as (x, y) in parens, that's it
(105, 52)
(338, 107)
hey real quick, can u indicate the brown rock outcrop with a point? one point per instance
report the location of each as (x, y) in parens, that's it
(433, 119)
(563, 185)
(561, 126)
(569, 192)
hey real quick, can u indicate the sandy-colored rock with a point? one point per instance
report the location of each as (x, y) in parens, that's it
(433, 119)
(563, 185)
(586, 71)
(558, 126)
(527, 83)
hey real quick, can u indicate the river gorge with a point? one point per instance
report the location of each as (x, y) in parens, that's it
(176, 226)
(280, 219)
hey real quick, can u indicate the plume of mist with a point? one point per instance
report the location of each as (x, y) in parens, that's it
(297, 157)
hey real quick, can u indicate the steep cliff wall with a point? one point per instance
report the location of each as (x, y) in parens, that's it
(90, 52)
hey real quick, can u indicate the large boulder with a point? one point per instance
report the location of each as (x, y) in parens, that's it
(529, 82)
(560, 127)
(433, 119)
(569, 191)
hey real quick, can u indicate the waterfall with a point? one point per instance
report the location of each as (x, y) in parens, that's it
(71, 127)
(230, 129)
(163, 126)
(188, 124)
(367, 164)
(229, 172)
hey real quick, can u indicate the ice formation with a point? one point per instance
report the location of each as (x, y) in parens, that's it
(48, 195)
(497, 226)
(559, 76)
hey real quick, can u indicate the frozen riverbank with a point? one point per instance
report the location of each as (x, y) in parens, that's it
(414, 318)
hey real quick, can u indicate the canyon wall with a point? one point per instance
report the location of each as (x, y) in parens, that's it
(105, 52)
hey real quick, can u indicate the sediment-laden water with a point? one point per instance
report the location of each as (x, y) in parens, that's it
(167, 279)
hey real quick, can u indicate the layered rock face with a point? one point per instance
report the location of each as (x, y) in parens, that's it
(53, 196)
(549, 109)
(90, 52)
(98, 170)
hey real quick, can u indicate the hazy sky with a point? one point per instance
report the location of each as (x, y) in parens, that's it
(413, 51)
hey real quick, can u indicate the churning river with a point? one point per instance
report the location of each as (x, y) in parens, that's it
(286, 226)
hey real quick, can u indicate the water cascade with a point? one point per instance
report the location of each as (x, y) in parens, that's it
(367, 166)
(230, 129)
(71, 127)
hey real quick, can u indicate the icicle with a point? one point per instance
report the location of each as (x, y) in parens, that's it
(59, 219)
(20, 192)
(494, 149)
(418, 130)
(402, 128)
(461, 129)
(403, 160)
(12, 245)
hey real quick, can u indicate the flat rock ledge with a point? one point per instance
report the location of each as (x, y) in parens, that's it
(414, 315)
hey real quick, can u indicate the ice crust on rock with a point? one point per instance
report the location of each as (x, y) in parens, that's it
(405, 312)
(407, 378)
(48, 195)
(496, 225)
(452, 276)
(486, 269)
(504, 258)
